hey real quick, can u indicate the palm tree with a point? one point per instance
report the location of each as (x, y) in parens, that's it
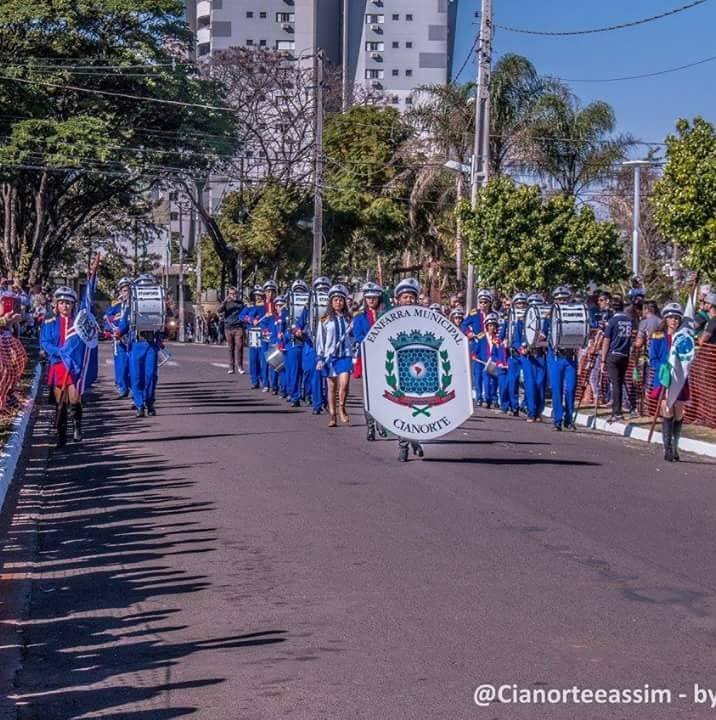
(570, 143)
(515, 90)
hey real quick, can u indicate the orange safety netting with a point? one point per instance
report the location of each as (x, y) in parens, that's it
(701, 408)
(13, 359)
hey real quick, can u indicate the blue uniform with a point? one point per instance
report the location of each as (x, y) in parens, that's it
(313, 381)
(562, 371)
(269, 377)
(250, 318)
(294, 361)
(519, 363)
(79, 359)
(112, 317)
(144, 368)
(473, 326)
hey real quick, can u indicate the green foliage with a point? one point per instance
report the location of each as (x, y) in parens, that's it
(362, 195)
(67, 154)
(269, 236)
(684, 199)
(520, 240)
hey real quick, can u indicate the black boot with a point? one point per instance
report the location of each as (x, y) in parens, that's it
(61, 424)
(370, 435)
(417, 449)
(76, 415)
(667, 430)
(675, 438)
(403, 451)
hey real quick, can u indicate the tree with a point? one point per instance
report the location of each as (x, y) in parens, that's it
(685, 197)
(515, 92)
(572, 144)
(520, 240)
(79, 125)
(362, 189)
(269, 238)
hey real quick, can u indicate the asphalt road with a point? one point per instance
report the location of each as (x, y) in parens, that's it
(234, 558)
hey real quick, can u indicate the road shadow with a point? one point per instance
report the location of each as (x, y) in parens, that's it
(113, 519)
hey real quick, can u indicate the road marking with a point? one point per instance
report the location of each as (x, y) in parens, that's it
(109, 362)
(221, 365)
(172, 363)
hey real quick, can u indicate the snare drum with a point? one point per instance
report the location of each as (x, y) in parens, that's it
(254, 337)
(148, 308)
(569, 328)
(537, 313)
(275, 358)
(516, 314)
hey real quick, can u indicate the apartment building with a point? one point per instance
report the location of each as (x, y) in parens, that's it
(388, 47)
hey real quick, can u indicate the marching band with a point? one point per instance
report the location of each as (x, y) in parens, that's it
(305, 346)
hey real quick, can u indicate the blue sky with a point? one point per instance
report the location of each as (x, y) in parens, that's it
(647, 108)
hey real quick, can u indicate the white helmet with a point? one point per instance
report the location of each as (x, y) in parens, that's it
(338, 291)
(672, 310)
(408, 285)
(65, 293)
(371, 289)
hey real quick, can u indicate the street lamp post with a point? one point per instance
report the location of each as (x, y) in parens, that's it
(180, 289)
(636, 217)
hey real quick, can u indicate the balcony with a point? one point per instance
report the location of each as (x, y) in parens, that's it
(203, 35)
(287, 26)
(376, 27)
(376, 55)
(203, 9)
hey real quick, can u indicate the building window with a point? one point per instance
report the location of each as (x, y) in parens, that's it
(408, 100)
(375, 46)
(372, 19)
(396, 44)
(283, 17)
(396, 16)
(203, 48)
(262, 15)
(372, 74)
(395, 100)
(409, 44)
(408, 73)
(203, 22)
(174, 216)
(408, 17)
(285, 45)
(249, 42)
(249, 13)
(262, 43)
(396, 72)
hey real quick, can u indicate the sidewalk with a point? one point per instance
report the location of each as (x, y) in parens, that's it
(695, 438)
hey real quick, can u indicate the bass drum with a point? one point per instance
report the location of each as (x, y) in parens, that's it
(148, 308)
(516, 314)
(537, 313)
(254, 337)
(318, 308)
(569, 326)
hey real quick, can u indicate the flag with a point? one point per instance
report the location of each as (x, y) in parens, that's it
(681, 355)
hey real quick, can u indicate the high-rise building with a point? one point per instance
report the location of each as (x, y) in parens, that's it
(388, 47)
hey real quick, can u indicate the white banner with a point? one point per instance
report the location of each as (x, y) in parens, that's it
(681, 355)
(416, 373)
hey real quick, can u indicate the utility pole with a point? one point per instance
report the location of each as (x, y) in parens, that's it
(636, 216)
(318, 161)
(239, 258)
(180, 289)
(481, 154)
(197, 251)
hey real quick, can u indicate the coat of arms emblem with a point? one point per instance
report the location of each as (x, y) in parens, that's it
(86, 327)
(418, 372)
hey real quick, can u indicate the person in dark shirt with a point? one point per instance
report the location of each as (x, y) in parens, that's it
(616, 347)
(231, 310)
(708, 336)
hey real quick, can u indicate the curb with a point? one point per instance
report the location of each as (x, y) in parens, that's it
(634, 432)
(13, 448)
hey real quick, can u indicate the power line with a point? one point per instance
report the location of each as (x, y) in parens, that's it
(637, 77)
(608, 28)
(467, 58)
(117, 94)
